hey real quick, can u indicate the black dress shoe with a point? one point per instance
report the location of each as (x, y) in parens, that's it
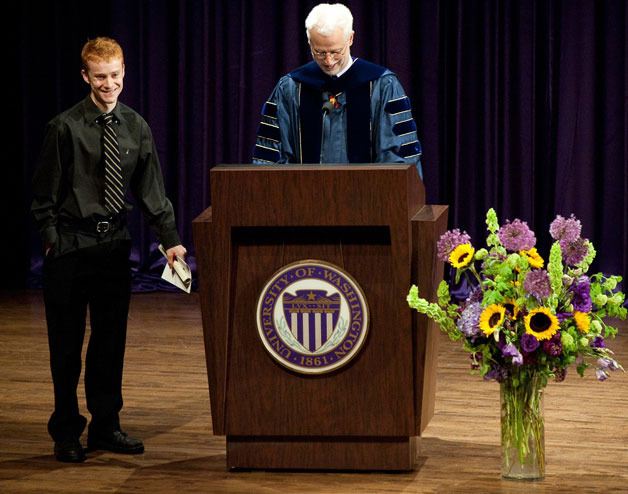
(70, 451)
(117, 441)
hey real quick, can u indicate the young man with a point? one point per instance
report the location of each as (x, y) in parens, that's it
(337, 109)
(92, 155)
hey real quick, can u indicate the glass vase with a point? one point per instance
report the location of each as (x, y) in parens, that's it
(522, 428)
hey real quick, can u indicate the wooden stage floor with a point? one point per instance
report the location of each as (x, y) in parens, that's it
(167, 405)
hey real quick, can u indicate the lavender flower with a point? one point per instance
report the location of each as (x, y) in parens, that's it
(510, 350)
(537, 284)
(606, 363)
(598, 342)
(529, 343)
(516, 236)
(553, 347)
(581, 294)
(565, 229)
(574, 252)
(499, 373)
(469, 321)
(449, 241)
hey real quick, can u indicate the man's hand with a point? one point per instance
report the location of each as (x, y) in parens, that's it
(177, 250)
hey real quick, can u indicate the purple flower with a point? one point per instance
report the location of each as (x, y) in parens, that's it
(559, 375)
(516, 236)
(605, 365)
(574, 252)
(529, 343)
(469, 321)
(498, 373)
(581, 294)
(598, 342)
(563, 316)
(565, 229)
(449, 241)
(510, 350)
(501, 342)
(476, 294)
(537, 284)
(553, 347)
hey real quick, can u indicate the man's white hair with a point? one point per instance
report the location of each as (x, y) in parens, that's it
(327, 17)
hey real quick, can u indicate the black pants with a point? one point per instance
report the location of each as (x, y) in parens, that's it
(99, 278)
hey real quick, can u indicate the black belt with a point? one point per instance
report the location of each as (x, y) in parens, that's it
(94, 224)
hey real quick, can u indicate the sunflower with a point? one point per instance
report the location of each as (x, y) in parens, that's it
(583, 321)
(512, 309)
(461, 256)
(491, 318)
(541, 323)
(533, 257)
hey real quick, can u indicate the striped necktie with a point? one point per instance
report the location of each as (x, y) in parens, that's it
(114, 188)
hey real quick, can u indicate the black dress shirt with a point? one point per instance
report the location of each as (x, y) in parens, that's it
(68, 185)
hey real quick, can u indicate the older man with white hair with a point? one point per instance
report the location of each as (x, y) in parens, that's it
(337, 109)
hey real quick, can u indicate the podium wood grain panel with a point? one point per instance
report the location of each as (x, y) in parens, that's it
(428, 224)
(314, 453)
(267, 399)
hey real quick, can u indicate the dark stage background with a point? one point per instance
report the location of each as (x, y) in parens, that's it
(521, 106)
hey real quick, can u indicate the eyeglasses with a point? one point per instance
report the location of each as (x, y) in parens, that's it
(334, 54)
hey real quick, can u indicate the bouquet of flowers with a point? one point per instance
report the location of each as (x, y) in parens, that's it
(526, 320)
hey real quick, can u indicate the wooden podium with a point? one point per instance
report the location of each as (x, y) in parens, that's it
(369, 220)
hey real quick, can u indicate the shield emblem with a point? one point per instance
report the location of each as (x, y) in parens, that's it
(312, 316)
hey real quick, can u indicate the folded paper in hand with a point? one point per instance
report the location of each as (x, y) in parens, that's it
(179, 275)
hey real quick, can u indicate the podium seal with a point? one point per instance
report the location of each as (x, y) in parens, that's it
(312, 317)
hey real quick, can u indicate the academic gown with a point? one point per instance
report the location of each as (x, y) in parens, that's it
(363, 116)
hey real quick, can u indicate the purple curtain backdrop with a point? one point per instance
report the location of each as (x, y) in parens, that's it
(521, 105)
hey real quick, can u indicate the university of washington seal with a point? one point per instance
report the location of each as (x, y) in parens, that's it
(312, 317)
